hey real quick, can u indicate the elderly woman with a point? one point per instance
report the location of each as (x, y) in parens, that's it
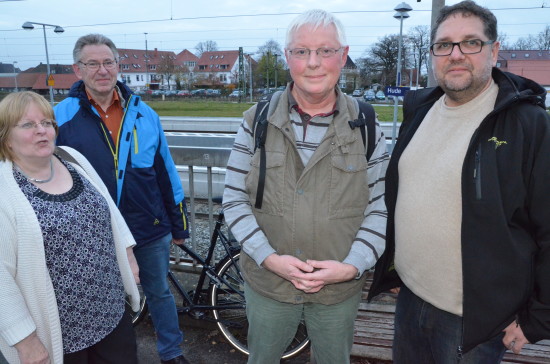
(66, 258)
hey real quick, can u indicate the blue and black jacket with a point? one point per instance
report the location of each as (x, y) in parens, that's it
(140, 173)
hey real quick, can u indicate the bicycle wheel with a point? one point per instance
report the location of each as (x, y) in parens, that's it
(229, 291)
(138, 315)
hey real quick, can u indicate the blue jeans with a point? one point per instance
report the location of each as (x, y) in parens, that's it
(153, 259)
(426, 334)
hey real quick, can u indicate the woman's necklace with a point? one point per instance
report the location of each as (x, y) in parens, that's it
(52, 172)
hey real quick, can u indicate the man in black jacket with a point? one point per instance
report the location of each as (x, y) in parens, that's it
(468, 237)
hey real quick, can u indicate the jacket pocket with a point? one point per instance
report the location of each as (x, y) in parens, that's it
(274, 182)
(143, 149)
(349, 189)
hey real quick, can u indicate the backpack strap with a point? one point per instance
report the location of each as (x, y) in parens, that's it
(366, 117)
(65, 155)
(259, 131)
(264, 109)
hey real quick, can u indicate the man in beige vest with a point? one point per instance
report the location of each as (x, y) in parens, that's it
(468, 236)
(322, 218)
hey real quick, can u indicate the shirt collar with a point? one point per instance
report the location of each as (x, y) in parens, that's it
(115, 96)
(293, 105)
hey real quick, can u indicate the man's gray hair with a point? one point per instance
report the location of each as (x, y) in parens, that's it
(92, 39)
(317, 18)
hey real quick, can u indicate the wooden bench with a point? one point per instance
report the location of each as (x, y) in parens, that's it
(373, 335)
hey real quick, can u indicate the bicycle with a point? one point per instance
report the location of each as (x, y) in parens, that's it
(223, 295)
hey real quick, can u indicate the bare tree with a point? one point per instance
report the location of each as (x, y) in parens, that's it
(503, 40)
(207, 46)
(369, 71)
(384, 54)
(184, 78)
(271, 64)
(271, 46)
(418, 39)
(543, 39)
(524, 44)
(167, 69)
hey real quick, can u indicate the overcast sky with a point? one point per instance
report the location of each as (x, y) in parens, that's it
(174, 25)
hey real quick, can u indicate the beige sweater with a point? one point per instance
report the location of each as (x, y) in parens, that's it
(428, 213)
(27, 299)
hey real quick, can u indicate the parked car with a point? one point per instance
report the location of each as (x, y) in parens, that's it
(213, 92)
(184, 93)
(198, 92)
(157, 93)
(236, 93)
(358, 92)
(369, 95)
(380, 95)
(171, 92)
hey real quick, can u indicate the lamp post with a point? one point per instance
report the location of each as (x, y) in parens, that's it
(146, 63)
(15, 77)
(402, 11)
(57, 29)
(250, 75)
(276, 70)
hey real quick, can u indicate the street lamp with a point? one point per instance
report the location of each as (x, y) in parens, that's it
(15, 76)
(57, 29)
(250, 69)
(146, 64)
(276, 55)
(402, 11)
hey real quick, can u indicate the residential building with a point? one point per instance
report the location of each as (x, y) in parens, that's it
(35, 78)
(219, 69)
(142, 69)
(533, 64)
(187, 62)
(349, 76)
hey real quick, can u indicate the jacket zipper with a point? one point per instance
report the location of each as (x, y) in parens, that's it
(477, 172)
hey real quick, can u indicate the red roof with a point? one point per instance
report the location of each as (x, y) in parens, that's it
(218, 58)
(37, 81)
(219, 61)
(61, 81)
(134, 60)
(185, 56)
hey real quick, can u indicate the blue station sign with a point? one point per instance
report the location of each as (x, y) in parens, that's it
(396, 91)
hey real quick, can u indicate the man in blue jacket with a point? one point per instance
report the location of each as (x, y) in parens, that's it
(123, 139)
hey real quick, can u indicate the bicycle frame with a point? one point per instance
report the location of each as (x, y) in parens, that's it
(208, 269)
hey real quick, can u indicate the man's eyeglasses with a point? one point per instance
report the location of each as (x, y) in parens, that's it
(303, 53)
(94, 66)
(470, 46)
(30, 124)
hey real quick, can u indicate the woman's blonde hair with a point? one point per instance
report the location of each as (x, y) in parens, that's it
(12, 109)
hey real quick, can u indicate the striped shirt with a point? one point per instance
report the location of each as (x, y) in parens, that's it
(369, 242)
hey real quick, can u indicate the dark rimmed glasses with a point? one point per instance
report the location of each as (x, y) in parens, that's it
(470, 46)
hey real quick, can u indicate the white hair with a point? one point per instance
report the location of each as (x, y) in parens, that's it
(317, 18)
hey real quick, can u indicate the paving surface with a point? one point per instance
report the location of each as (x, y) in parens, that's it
(203, 344)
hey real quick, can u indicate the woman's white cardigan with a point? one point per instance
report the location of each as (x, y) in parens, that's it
(27, 299)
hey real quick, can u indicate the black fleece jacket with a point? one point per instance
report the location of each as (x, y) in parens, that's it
(505, 212)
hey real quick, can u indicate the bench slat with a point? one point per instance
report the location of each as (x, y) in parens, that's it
(373, 334)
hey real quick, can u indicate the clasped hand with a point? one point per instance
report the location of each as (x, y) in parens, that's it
(312, 275)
